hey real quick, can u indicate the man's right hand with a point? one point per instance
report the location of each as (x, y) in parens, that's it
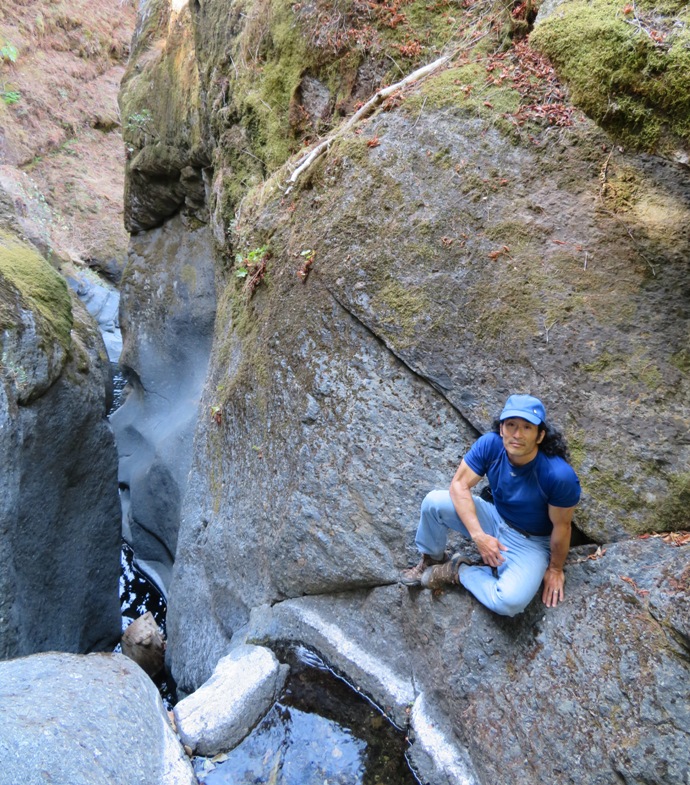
(490, 549)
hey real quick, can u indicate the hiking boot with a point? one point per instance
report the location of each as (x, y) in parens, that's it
(445, 574)
(413, 575)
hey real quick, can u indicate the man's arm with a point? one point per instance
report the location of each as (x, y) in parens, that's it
(460, 493)
(554, 578)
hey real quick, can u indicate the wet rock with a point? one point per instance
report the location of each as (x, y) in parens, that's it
(77, 720)
(102, 301)
(224, 710)
(596, 686)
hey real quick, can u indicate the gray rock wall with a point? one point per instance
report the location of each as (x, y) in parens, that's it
(167, 313)
(446, 253)
(59, 510)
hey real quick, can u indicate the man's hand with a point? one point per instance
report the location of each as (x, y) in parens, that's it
(490, 549)
(554, 584)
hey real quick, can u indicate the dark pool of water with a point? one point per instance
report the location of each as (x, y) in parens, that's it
(320, 732)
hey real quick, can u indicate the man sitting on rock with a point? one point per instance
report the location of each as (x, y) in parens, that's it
(523, 537)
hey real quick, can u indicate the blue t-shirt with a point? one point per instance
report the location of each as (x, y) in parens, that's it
(522, 494)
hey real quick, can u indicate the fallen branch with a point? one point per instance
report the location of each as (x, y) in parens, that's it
(306, 162)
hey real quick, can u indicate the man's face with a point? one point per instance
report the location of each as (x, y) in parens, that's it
(520, 439)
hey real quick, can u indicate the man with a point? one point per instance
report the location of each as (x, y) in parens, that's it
(523, 537)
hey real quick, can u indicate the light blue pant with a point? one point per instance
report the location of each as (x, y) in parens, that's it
(520, 575)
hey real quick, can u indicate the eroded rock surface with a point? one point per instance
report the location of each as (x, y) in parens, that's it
(224, 710)
(589, 691)
(167, 312)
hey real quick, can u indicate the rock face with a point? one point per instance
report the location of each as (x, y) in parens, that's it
(168, 306)
(75, 720)
(477, 238)
(59, 511)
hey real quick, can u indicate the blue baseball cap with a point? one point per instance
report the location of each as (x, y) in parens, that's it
(526, 406)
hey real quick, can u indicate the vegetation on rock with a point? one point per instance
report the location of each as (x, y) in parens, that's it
(628, 66)
(29, 282)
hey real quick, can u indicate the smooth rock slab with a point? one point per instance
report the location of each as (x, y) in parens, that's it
(85, 720)
(224, 710)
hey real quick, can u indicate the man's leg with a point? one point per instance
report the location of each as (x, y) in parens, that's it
(436, 518)
(519, 577)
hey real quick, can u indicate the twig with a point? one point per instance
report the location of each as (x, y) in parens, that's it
(547, 329)
(304, 163)
(420, 113)
(395, 64)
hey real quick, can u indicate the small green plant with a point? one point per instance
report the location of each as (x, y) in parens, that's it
(8, 53)
(252, 267)
(246, 262)
(141, 121)
(10, 96)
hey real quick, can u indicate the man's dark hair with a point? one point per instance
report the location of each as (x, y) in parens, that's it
(553, 444)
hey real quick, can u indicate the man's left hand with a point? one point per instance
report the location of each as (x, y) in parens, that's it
(554, 584)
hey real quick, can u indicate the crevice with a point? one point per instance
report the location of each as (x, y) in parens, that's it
(679, 643)
(436, 384)
(155, 536)
(335, 590)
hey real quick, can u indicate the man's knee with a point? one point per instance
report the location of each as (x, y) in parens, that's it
(510, 603)
(434, 501)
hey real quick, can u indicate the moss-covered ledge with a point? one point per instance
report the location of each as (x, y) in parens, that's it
(628, 67)
(35, 319)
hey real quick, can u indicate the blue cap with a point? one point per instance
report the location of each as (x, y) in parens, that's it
(526, 406)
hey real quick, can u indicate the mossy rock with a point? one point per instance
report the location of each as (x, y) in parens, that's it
(30, 283)
(628, 69)
(35, 320)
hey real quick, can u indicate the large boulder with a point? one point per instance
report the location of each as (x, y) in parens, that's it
(59, 509)
(590, 691)
(346, 398)
(80, 720)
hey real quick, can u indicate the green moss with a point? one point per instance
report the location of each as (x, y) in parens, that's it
(188, 277)
(513, 232)
(613, 488)
(681, 360)
(41, 289)
(402, 307)
(603, 364)
(577, 447)
(465, 87)
(673, 513)
(635, 87)
(160, 97)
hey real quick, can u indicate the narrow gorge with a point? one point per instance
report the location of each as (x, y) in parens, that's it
(310, 345)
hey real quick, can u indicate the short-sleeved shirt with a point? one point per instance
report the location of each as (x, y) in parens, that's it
(522, 494)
